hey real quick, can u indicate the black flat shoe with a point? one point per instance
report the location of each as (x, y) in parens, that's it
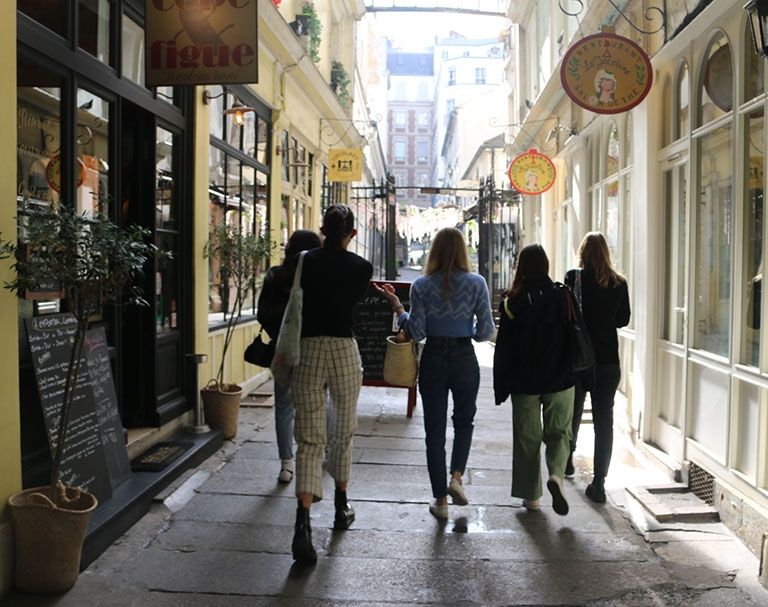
(596, 493)
(345, 515)
(302, 548)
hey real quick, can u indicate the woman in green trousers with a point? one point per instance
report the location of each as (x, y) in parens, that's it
(532, 365)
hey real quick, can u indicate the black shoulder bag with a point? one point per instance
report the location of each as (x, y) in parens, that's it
(259, 353)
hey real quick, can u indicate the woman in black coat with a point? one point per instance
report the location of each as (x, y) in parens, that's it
(604, 299)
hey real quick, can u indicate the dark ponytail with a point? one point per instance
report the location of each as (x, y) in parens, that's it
(338, 223)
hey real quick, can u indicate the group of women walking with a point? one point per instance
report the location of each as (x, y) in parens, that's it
(450, 308)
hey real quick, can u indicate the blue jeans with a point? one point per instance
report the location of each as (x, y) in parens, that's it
(448, 364)
(284, 421)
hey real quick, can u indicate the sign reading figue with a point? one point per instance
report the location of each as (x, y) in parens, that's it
(531, 173)
(606, 73)
(201, 42)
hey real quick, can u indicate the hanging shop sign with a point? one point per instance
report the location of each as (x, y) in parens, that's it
(531, 173)
(606, 73)
(201, 42)
(345, 164)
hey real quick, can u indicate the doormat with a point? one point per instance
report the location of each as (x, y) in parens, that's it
(160, 456)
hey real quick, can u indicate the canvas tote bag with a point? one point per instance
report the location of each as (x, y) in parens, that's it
(288, 346)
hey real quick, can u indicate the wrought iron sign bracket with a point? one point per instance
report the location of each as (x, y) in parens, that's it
(647, 15)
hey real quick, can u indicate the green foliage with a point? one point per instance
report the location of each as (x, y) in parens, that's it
(340, 82)
(315, 29)
(240, 256)
(91, 261)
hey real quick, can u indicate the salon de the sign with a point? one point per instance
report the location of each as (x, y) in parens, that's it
(201, 42)
(606, 73)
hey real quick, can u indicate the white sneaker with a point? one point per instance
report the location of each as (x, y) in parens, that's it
(456, 491)
(286, 471)
(439, 511)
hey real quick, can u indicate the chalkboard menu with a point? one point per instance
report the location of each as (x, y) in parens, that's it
(96, 353)
(83, 463)
(374, 322)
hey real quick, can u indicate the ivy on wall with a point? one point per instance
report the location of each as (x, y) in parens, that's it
(315, 29)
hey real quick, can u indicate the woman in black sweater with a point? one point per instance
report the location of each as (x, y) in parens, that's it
(604, 298)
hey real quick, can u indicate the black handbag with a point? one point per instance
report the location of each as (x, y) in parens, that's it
(581, 350)
(259, 353)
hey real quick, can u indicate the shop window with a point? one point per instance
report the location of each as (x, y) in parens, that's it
(675, 192)
(613, 152)
(666, 114)
(628, 141)
(167, 279)
(624, 259)
(50, 13)
(683, 121)
(38, 133)
(755, 76)
(716, 90)
(92, 160)
(479, 75)
(451, 75)
(133, 51)
(611, 229)
(712, 298)
(284, 168)
(752, 272)
(216, 111)
(93, 20)
(262, 141)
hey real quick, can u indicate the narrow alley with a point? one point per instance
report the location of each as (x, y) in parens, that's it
(221, 537)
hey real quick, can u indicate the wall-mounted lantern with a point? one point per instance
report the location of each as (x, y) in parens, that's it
(758, 21)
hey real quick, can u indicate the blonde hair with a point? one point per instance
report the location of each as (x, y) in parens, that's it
(594, 254)
(447, 254)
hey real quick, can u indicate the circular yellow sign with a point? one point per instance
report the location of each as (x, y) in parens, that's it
(531, 173)
(606, 73)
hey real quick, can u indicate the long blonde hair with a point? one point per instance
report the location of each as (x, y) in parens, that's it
(447, 254)
(594, 254)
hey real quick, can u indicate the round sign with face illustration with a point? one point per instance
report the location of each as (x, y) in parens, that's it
(531, 173)
(606, 73)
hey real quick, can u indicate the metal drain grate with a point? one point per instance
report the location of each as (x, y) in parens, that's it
(701, 483)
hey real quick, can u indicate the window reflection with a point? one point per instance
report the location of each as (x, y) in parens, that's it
(717, 82)
(38, 133)
(755, 80)
(166, 280)
(713, 237)
(93, 190)
(666, 114)
(133, 51)
(675, 213)
(683, 103)
(93, 28)
(612, 161)
(50, 13)
(752, 279)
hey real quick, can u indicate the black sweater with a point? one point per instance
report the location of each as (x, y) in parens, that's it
(604, 309)
(532, 353)
(273, 298)
(333, 282)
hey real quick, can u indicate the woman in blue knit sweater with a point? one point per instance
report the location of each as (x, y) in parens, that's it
(450, 306)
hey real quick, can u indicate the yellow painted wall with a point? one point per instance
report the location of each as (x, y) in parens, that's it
(10, 448)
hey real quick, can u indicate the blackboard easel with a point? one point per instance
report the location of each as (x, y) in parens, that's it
(374, 322)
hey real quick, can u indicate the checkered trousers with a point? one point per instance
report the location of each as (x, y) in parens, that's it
(328, 365)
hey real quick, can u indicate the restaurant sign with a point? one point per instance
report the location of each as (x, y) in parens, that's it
(606, 73)
(201, 42)
(531, 172)
(345, 164)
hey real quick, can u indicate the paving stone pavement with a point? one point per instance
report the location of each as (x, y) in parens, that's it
(229, 545)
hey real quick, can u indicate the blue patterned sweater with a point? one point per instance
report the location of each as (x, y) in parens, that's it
(464, 312)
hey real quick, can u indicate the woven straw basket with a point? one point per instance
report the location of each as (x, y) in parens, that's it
(400, 363)
(221, 403)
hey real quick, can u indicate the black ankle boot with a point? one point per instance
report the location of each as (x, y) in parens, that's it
(596, 490)
(303, 551)
(345, 515)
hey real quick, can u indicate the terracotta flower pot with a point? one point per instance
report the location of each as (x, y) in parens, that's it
(49, 539)
(221, 403)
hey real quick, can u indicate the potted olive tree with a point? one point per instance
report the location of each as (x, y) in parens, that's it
(238, 256)
(91, 262)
